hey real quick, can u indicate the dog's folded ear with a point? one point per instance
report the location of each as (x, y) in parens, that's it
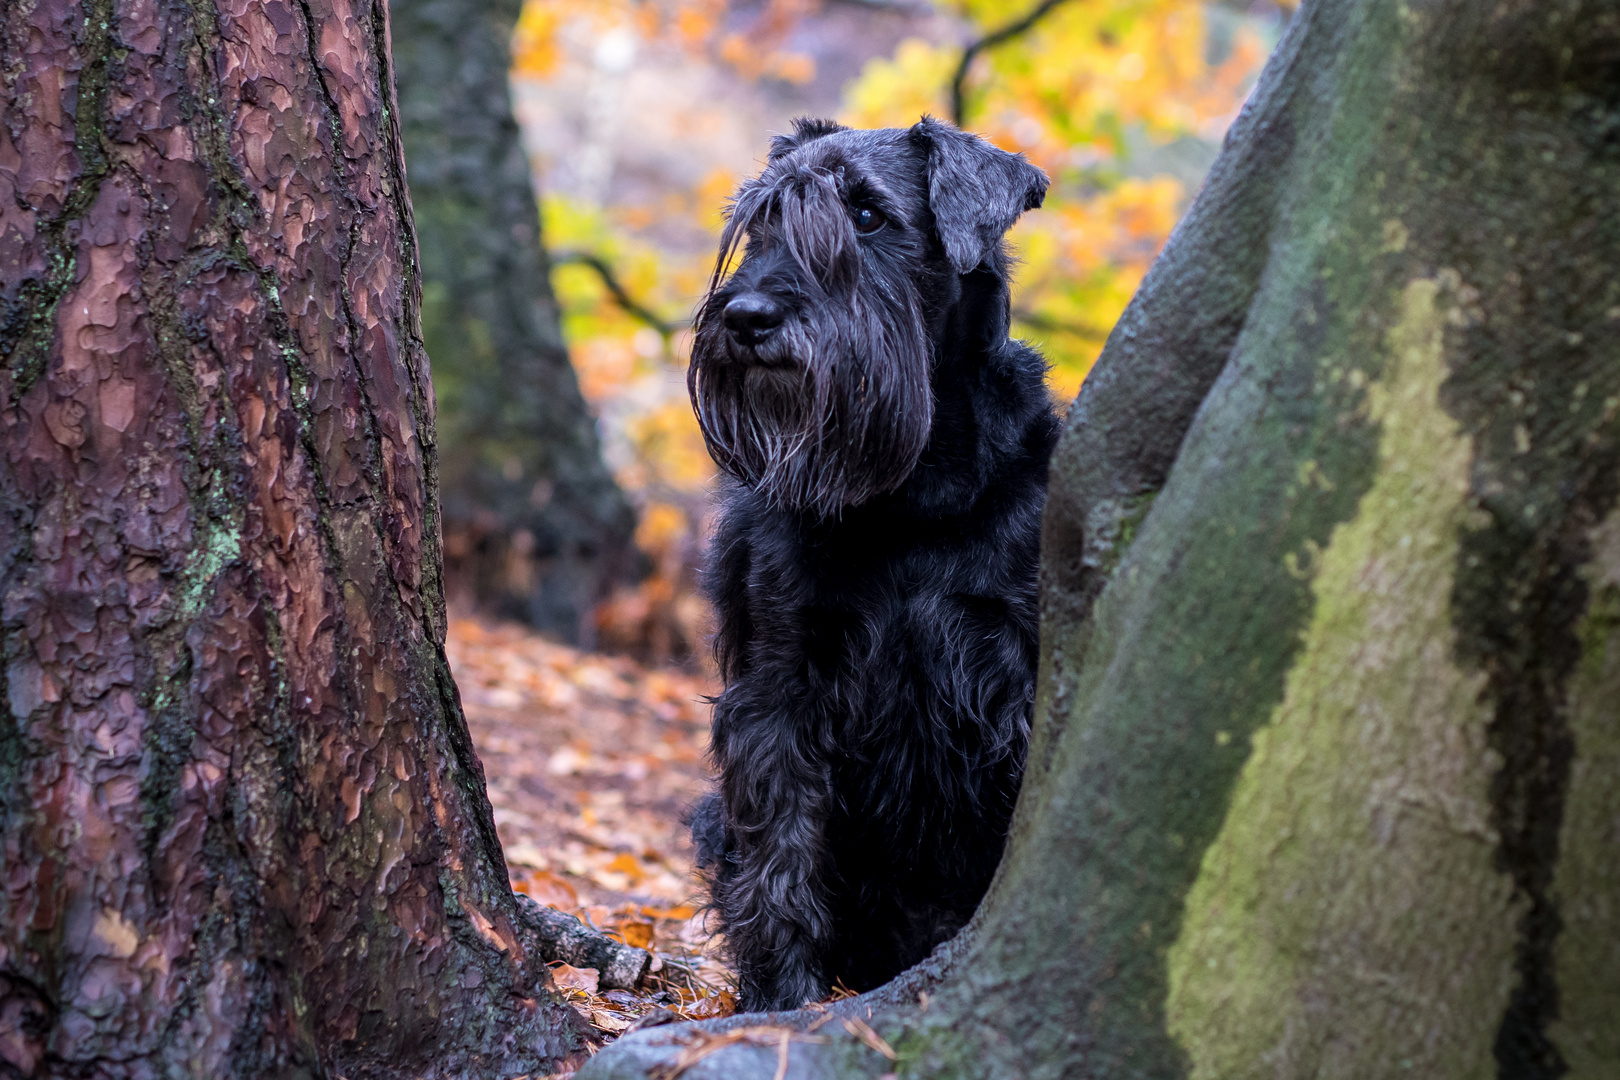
(975, 190)
(805, 129)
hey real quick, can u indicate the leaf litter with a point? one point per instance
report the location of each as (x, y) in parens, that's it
(592, 763)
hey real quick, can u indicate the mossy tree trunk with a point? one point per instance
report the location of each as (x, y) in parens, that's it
(535, 525)
(1325, 780)
(244, 831)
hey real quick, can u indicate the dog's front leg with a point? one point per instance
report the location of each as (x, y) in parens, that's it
(771, 887)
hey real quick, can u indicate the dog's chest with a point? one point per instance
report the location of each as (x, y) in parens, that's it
(861, 608)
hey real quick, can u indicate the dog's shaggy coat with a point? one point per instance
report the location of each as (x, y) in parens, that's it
(874, 565)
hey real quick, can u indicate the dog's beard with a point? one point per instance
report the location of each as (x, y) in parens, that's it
(831, 410)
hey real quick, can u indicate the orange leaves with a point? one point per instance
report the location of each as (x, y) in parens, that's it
(894, 92)
(683, 980)
(582, 980)
(546, 888)
(534, 40)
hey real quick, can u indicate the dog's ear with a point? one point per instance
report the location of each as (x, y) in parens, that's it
(975, 190)
(805, 129)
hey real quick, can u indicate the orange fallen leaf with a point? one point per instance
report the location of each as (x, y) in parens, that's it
(639, 934)
(710, 1007)
(626, 863)
(547, 888)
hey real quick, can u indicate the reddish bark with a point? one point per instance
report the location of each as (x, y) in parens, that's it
(245, 832)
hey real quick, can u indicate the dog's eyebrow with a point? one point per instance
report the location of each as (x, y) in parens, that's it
(867, 189)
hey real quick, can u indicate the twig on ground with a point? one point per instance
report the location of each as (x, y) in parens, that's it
(782, 1056)
(863, 1031)
(563, 937)
(702, 1044)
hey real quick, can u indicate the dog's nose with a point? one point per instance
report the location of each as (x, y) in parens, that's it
(753, 315)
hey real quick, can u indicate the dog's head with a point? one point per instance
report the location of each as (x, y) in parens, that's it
(811, 363)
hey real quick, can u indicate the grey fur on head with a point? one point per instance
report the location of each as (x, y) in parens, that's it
(811, 363)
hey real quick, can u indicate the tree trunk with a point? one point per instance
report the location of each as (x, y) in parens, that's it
(245, 833)
(534, 522)
(1325, 780)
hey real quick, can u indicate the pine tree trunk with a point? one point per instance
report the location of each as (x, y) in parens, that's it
(1326, 773)
(245, 832)
(536, 526)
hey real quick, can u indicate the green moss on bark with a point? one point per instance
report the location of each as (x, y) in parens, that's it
(1586, 959)
(1359, 830)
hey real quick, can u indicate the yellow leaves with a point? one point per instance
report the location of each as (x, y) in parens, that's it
(1082, 261)
(670, 449)
(896, 92)
(1082, 94)
(712, 192)
(534, 40)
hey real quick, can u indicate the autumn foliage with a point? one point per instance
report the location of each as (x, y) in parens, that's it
(1122, 102)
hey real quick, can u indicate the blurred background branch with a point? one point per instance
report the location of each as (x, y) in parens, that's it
(990, 41)
(621, 296)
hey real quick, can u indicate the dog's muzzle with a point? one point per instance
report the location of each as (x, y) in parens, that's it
(751, 317)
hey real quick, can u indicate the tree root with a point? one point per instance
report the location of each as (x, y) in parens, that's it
(564, 937)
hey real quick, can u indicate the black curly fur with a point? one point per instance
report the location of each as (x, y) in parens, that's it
(874, 565)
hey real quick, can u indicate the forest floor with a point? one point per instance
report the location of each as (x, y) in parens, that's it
(592, 763)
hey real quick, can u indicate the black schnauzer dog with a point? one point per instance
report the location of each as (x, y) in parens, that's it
(873, 571)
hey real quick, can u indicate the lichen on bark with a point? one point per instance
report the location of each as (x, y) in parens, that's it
(1360, 825)
(1587, 885)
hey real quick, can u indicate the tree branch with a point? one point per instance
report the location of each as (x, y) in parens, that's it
(616, 289)
(566, 938)
(990, 41)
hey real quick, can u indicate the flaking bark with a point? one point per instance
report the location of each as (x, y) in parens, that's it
(1322, 781)
(244, 830)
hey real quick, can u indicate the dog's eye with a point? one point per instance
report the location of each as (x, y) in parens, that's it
(869, 220)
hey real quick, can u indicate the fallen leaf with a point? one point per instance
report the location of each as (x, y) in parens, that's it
(712, 1006)
(572, 978)
(608, 1020)
(547, 888)
(524, 854)
(628, 864)
(639, 934)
